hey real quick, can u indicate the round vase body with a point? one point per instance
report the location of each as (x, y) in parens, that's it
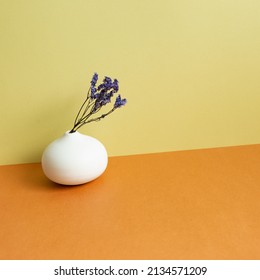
(74, 159)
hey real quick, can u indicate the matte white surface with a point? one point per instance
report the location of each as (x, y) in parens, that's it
(74, 159)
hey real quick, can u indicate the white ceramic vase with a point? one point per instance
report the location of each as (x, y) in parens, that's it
(74, 159)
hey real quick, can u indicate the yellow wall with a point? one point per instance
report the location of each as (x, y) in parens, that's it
(189, 69)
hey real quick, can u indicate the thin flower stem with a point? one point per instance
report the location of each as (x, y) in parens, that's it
(82, 107)
(85, 117)
(86, 108)
(101, 117)
(92, 120)
(83, 120)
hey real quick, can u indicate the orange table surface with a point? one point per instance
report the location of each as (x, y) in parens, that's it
(198, 204)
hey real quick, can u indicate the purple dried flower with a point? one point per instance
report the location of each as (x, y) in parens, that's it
(119, 102)
(93, 90)
(96, 106)
(107, 81)
(98, 97)
(94, 80)
(115, 86)
(106, 85)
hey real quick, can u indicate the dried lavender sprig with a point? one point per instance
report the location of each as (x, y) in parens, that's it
(97, 97)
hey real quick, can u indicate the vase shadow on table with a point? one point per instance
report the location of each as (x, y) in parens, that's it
(36, 179)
